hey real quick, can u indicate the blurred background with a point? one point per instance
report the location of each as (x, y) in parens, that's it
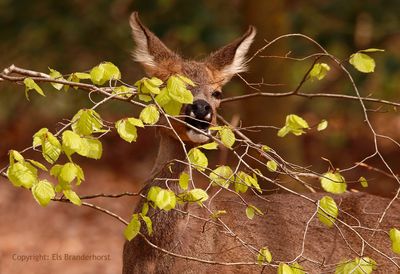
(74, 35)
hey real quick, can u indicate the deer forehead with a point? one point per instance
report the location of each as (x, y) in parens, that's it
(204, 77)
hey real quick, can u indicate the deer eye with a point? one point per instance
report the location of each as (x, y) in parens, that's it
(217, 94)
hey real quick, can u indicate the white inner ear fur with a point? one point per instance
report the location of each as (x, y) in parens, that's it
(141, 53)
(239, 61)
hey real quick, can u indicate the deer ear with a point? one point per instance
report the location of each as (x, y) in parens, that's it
(155, 57)
(231, 59)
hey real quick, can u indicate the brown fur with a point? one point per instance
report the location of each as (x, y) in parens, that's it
(282, 226)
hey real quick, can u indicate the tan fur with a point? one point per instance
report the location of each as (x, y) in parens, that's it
(282, 226)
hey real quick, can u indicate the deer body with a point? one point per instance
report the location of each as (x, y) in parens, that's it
(189, 232)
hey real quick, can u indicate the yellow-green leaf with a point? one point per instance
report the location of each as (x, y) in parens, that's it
(363, 182)
(57, 76)
(184, 180)
(227, 137)
(198, 159)
(43, 192)
(284, 269)
(272, 165)
(22, 174)
(364, 265)
(319, 71)
(86, 121)
(294, 124)
(250, 212)
(362, 62)
(209, 146)
(264, 255)
(197, 195)
(322, 125)
(328, 205)
(177, 90)
(395, 238)
(126, 130)
(297, 268)
(149, 224)
(149, 115)
(222, 176)
(72, 197)
(104, 72)
(133, 228)
(333, 182)
(91, 148)
(30, 84)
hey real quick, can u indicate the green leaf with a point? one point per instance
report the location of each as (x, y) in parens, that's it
(173, 108)
(371, 50)
(198, 159)
(163, 97)
(71, 142)
(297, 268)
(56, 170)
(363, 182)
(133, 228)
(72, 197)
(266, 148)
(91, 148)
(38, 165)
(15, 155)
(177, 90)
(149, 115)
(244, 180)
(319, 71)
(227, 137)
(322, 125)
(272, 165)
(56, 75)
(51, 147)
(186, 80)
(328, 205)
(30, 84)
(222, 176)
(284, 269)
(294, 124)
(104, 72)
(126, 130)
(43, 192)
(68, 172)
(209, 146)
(184, 181)
(165, 199)
(149, 224)
(250, 212)
(197, 195)
(264, 255)
(362, 62)
(123, 91)
(22, 174)
(364, 265)
(72, 78)
(333, 182)
(86, 122)
(395, 238)
(135, 122)
(145, 209)
(217, 214)
(82, 75)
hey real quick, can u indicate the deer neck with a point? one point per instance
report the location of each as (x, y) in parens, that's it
(169, 152)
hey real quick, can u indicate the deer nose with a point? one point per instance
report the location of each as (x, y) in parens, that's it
(200, 109)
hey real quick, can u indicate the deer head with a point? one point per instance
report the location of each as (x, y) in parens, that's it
(209, 75)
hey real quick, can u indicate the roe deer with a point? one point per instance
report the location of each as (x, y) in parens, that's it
(191, 233)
